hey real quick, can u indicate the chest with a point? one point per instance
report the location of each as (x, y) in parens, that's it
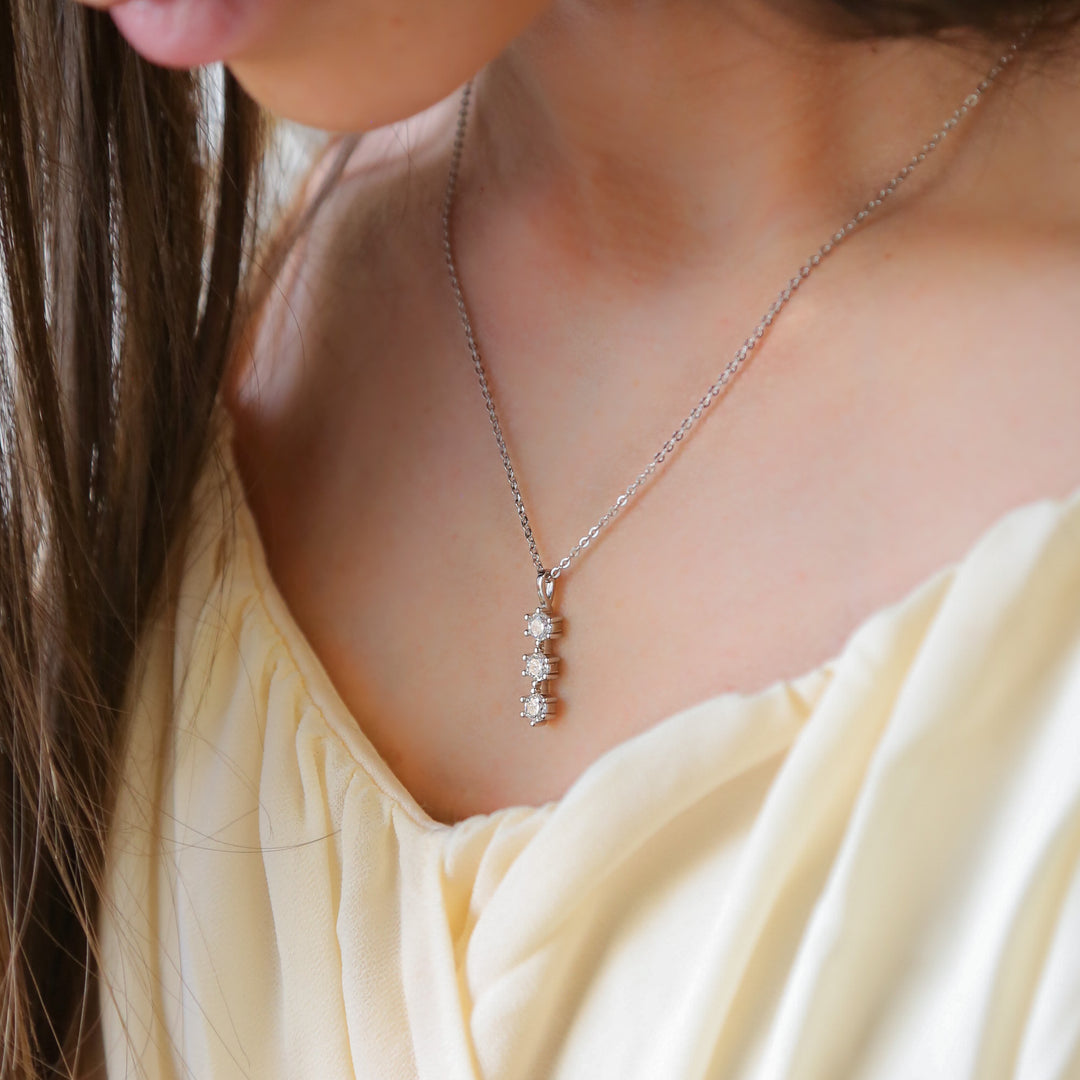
(839, 471)
(414, 595)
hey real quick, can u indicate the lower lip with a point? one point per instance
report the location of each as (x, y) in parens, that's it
(187, 33)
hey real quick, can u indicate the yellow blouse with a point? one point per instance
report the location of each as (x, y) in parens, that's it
(869, 871)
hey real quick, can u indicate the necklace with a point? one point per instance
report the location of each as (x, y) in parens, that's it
(543, 624)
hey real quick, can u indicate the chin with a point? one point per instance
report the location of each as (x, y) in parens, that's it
(336, 102)
(339, 65)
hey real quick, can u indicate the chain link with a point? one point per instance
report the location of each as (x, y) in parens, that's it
(744, 350)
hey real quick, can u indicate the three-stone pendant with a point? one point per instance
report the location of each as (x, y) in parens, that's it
(542, 625)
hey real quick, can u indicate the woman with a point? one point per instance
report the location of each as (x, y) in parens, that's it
(807, 802)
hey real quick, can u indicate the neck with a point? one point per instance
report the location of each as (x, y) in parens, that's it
(651, 134)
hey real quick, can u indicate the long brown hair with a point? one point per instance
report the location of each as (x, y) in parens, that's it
(127, 202)
(123, 247)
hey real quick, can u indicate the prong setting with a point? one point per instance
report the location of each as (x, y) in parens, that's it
(542, 625)
(537, 708)
(539, 666)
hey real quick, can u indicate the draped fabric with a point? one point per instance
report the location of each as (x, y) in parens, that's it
(871, 871)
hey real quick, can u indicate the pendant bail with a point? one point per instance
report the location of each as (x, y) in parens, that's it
(545, 588)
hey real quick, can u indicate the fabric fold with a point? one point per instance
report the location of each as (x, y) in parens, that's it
(871, 872)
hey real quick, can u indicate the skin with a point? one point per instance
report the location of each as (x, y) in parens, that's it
(640, 178)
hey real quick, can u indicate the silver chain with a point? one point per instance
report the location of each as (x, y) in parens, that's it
(740, 356)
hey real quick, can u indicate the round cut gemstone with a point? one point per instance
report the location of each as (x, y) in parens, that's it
(537, 666)
(539, 625)
(534, 707)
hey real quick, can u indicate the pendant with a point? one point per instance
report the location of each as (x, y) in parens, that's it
(540, 665)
